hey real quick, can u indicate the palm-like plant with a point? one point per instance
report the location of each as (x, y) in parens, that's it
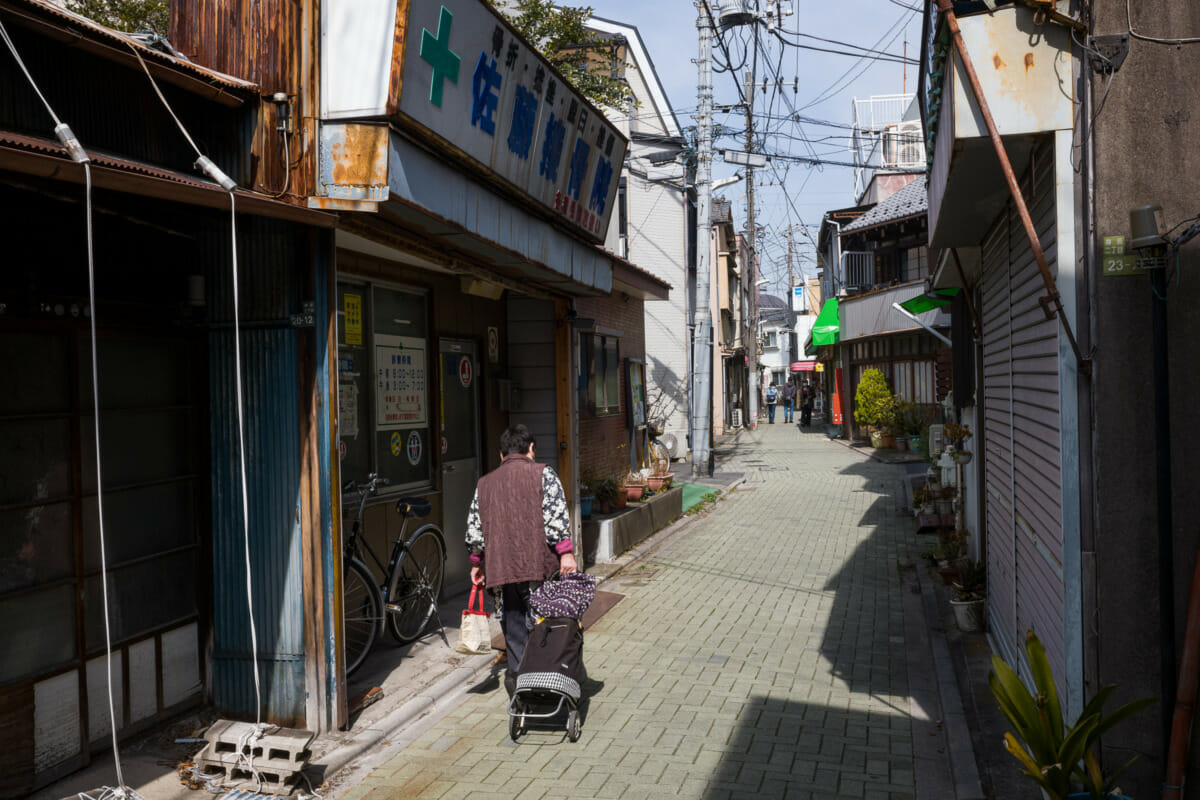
(1055, 755)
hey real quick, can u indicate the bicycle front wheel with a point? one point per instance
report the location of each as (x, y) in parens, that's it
(415, 584)
(362, 611)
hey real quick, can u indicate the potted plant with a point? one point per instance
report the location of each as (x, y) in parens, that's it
(956, 438)
(587, 493)
(874, 405)
(1059, 757)
(944, 500)
(912, 422)
(635, 485)
(953, 543)
(609, 494)
(969, 594)
(922, 500)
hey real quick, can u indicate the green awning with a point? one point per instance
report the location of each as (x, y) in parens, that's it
(928, 301)
(825, 329)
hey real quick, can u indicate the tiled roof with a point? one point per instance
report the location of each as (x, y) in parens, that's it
(771, 301)
(909, 201)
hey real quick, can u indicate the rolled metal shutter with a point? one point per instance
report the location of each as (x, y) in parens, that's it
(1022, 429)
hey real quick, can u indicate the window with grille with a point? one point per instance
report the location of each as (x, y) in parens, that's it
(602, 353)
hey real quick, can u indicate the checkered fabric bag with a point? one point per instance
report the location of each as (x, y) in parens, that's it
(568, 596)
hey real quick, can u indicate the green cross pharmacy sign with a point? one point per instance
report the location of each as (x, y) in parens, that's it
(436, 51)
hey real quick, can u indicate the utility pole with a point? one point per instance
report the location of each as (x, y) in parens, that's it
(755, 378)
(702, 351)
(791, 278)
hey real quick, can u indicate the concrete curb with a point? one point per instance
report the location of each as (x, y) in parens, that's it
(964, 769)
(451, 686)
(456, 683)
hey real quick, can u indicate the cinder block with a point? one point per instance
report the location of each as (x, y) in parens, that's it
(276, 758)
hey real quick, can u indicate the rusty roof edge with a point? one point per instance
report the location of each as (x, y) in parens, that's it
(119, 41)
(248, 202)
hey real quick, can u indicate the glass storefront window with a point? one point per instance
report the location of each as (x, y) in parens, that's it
(383, 393)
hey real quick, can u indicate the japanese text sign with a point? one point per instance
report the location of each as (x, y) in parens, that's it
(471, 81)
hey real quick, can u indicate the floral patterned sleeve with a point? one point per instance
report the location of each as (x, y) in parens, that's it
(474, 532)
(554, 513)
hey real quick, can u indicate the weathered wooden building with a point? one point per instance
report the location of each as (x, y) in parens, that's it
(160, 244)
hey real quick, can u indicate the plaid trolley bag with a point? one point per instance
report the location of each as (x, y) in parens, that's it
(551, 669)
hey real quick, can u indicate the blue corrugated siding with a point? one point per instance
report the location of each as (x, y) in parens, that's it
(271, 259)
(273, 480)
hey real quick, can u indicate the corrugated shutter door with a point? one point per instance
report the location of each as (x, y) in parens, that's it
(997, 437)
(1022, 427)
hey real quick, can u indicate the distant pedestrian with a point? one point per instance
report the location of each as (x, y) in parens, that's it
(789, 400)
(772, 399)
(806, 406)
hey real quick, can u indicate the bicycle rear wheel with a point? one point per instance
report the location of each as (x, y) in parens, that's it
(415, 584)
(362, 611)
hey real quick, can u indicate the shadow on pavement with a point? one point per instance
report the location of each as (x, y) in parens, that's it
(864, 642)
(785, 748)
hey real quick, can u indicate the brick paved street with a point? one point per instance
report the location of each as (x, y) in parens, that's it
(764, 651)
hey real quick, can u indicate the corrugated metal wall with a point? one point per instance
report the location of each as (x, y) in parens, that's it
(272, 268)
(531, 352)
(113, 108)
(1022, 429)
(261, 41)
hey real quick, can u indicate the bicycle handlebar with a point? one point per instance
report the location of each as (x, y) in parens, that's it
(371, 485)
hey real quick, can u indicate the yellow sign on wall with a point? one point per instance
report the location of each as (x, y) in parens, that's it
(352, 306)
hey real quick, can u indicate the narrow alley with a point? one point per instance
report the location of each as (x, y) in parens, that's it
(775, 648)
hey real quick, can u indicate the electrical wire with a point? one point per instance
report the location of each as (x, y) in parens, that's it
(213, 172)
(1155, 39)
(78, 154)
(166, 105)
(868, 53)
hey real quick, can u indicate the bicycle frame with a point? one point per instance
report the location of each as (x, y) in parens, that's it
(398, 547)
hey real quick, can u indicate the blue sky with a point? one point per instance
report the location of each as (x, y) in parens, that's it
(826, 86)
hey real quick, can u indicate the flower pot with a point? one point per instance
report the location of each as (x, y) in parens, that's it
(902, 444)
(949, 574)
(962, 456)
(876, 439)
(968, 614)
(915, 442)
(635, 491)
(889, 441)
(585, 506)
(655, 482)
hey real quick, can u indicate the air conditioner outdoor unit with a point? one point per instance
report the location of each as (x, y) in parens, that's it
(671, 442)
(937, 440)
(903, 146)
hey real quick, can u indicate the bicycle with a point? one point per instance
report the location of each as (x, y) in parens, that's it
(413, 583)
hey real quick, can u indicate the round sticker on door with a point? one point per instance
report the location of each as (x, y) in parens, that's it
(395, 443)
(341, 450)
(464, 372)
(445, 445)
(414, 448)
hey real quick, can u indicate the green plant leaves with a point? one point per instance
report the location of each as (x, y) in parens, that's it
(1054, 754)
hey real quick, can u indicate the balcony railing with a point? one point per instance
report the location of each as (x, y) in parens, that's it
(858, 271)
(882, 139)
